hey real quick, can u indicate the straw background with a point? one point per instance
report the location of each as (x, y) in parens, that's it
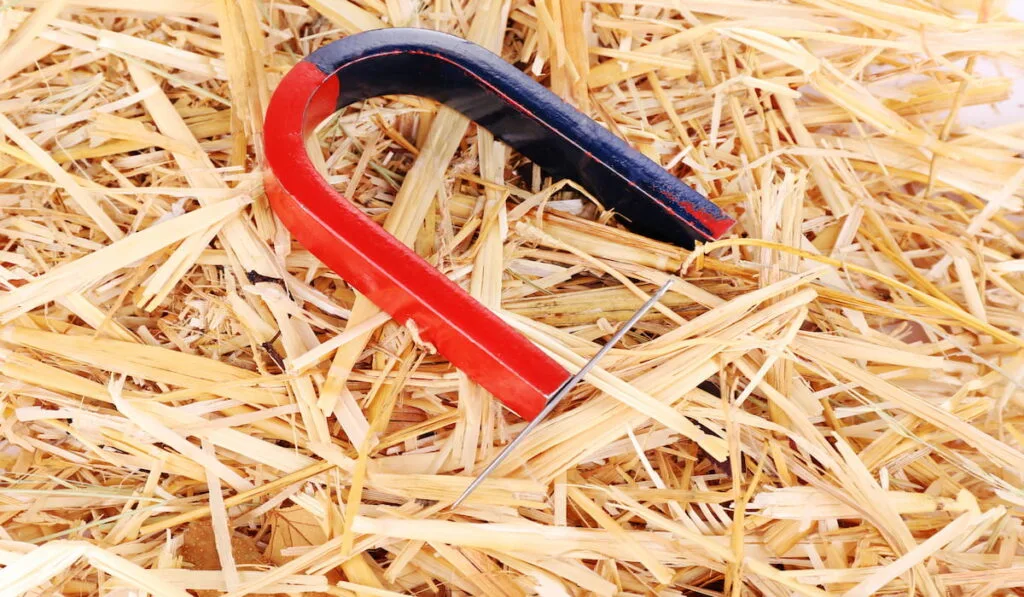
(191, 403)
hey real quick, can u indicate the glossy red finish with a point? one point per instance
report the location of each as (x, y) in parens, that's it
(391, 275)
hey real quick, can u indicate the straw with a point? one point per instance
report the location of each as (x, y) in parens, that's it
(828, 401)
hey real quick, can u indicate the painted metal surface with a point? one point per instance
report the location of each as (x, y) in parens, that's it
(521, 113)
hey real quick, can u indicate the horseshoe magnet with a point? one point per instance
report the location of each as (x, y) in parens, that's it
(518, 111)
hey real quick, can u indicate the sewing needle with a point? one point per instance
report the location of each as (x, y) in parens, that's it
(564, 390)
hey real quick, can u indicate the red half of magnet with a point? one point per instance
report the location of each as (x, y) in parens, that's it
(386, 271)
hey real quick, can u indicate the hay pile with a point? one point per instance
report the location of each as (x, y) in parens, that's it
(192, 403)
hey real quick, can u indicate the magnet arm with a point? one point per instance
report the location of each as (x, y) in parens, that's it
(525, 115)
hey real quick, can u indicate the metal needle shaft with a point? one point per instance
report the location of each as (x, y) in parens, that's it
(561, 392)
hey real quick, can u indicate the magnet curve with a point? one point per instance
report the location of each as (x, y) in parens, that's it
(518, 111)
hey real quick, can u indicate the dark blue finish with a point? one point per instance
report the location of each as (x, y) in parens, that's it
(527, 116)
